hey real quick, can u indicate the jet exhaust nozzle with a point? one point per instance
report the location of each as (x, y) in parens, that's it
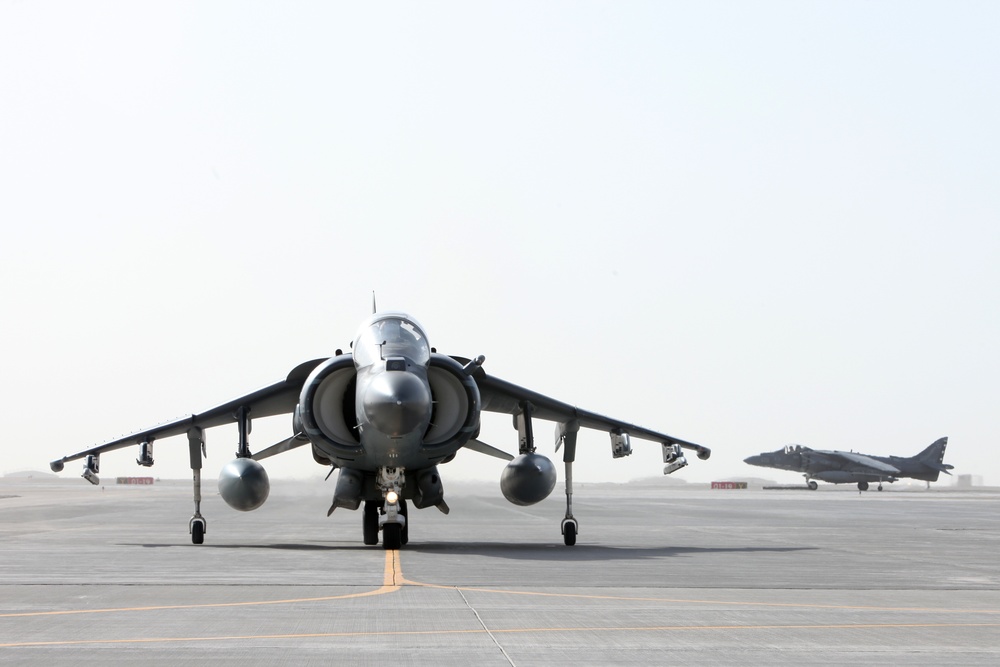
(243, 484)
(528, 479)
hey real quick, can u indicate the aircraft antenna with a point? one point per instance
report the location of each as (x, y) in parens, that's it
(374, 309)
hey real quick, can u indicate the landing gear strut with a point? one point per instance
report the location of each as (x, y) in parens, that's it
(198, 526)
(569, 526)
(393, 519)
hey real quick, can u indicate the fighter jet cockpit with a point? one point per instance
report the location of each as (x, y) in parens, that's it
(391, 337)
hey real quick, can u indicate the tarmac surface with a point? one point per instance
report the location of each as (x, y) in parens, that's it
(661, 574)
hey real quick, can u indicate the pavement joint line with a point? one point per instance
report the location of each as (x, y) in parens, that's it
(393, 580)
(479, 618)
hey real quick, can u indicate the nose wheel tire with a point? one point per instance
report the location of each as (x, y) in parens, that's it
(404, 536)
(392, 536)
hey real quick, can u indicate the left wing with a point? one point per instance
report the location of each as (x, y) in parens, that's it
(275, 399)
(502, 396)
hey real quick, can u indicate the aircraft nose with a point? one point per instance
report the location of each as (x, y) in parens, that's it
(753, 460)
(397, 403)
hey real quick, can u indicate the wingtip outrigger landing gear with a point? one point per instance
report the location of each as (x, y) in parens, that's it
(198, 526)
(566, 434)
(569, 529)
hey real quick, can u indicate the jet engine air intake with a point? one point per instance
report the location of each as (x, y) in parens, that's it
(456, 403)
(325, 411)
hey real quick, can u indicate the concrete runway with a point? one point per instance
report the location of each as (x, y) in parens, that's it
(661, 574)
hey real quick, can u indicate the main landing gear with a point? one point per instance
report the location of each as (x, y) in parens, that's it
(863, 486)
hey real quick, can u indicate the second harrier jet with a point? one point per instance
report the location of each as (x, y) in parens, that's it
(850, 467)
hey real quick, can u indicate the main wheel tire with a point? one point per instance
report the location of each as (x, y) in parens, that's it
(369, 523)
(569, 534)
(197, 533)
(392, 536)
(813, 485)
(405, 536)
(862, 486)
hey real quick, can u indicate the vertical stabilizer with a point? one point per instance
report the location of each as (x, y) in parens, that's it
(933, 456)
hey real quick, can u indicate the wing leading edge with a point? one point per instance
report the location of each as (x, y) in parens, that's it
(275, 399)
(505, 397)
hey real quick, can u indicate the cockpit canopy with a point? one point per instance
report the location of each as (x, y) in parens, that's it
(391, 335)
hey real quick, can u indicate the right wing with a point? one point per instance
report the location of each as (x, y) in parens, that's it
(275, 399)
(502, 396)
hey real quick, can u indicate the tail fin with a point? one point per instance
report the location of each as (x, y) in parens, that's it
(933, 456)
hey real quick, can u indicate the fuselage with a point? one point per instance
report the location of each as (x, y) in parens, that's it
(391, 403)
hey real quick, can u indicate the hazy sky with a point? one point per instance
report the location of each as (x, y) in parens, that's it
(744, 224)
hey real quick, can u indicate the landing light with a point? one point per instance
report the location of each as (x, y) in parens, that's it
(391, 497)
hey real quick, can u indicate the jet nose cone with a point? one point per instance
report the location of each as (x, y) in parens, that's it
(753, 460)
(397, 403)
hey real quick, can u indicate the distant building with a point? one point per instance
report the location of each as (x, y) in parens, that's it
(134, 480)
(967, 481)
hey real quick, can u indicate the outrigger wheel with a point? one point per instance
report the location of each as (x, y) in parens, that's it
(197, 531)
(569, 532)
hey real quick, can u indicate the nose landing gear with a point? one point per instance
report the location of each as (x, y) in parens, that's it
(392, 521)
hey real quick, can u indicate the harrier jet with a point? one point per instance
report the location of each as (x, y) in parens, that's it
(850, 467)
(386, 415)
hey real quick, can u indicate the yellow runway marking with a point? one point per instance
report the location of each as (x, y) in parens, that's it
(391, 574)
(743, 603)
(393, 580)
(410, 633)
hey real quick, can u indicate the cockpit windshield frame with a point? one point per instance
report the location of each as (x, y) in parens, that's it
(391, 335)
